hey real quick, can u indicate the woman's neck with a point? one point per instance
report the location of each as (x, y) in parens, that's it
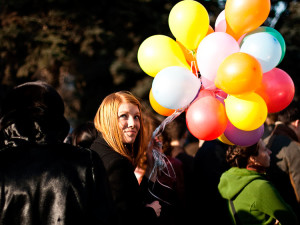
(257, 168)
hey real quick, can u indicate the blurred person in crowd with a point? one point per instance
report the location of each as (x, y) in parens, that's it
(284, 170)
(178, 133)
(170, 186)
(192, 144)
(208, 165)
(84, 135)
(121, 146)
(43, 180)
(252, 198)
(269, 124)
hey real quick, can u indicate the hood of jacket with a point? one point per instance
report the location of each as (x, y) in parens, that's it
(32, 112)
(234, 180)
(34, 132)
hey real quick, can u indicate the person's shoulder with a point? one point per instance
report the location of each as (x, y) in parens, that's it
(184, 157)
(291, 151)
(263, 188)
(174, 161)
(110, 158)
(294, 144)
(261, 184)
(104, 150)
(69, 151)
(51, 155)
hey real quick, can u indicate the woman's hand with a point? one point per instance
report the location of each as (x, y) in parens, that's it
(156, 206)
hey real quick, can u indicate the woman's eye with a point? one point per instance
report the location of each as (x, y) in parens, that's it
(123, 116)
(137, 117)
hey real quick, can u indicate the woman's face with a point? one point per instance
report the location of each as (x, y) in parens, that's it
(263, 157)
(129, 122)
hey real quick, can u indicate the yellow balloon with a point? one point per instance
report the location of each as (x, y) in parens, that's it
(224, 139)
(158, 52)
(247, 111)
(189, 23)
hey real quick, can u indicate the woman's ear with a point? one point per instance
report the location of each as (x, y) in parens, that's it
(252, 160)
(296, 123)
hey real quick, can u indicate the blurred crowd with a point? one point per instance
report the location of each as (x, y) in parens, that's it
(117, 169)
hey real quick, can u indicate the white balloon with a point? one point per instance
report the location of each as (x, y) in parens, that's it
(211, 52)
(264, 47)
(220, 24)
(175, 87)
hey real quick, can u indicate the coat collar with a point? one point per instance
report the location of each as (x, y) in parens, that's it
(282, 129)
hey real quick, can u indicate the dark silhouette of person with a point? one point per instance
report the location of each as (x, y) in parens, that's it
(43, 180)
(209, 164)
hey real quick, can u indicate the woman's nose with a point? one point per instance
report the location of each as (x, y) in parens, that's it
(270, 152)
(131, 122)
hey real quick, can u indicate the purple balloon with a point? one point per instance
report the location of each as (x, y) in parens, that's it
(242, 137)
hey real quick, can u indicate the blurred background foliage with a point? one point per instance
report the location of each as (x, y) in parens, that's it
(88, 49)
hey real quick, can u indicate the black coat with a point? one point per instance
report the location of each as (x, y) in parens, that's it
(42, 180)
(52, 184)
(47, 184)
(209, 164)
(128, 195)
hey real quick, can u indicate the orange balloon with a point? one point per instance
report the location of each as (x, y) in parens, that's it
(190, 55)
(158, 108)
(239, 73)
(210, 30)
(243, 16)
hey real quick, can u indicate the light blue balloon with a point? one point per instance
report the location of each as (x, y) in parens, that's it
(273, 32)
(175, 87)
(264, 47)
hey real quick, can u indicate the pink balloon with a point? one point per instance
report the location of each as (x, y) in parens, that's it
(242, 137)
(220, 24)
(203, 93)
(277, 89)
(208, 84)
(206, 118)
(211, 52)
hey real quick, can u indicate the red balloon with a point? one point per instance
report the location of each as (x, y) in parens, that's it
(206, 118)
(277, 89)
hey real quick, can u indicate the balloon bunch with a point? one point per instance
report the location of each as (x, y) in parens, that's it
(226, 80)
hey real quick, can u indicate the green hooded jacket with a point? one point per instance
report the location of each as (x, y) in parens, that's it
(255, 199)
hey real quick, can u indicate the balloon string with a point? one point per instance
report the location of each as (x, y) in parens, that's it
(216, 91)
(161, 161)
(219, 96)
(169, 119)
